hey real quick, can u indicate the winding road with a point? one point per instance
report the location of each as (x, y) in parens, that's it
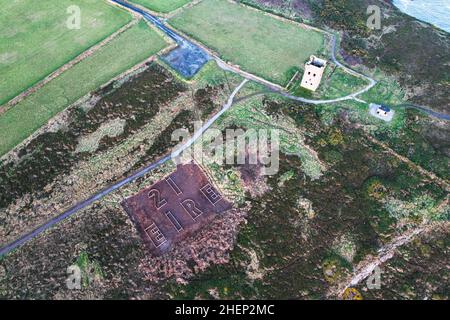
(247, 76)
(174, 36)
(181, 40)
(441, 116)
(277, 89)
(101, 194)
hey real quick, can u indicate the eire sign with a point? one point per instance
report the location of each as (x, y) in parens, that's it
(174, 207)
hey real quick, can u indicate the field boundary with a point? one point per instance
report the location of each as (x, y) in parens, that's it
(329, 46)
(11, 103)
(162, 14)
(177, 11)
(108, 190)
(326, 48)
(226, 65)
(280, 18)
(139, 6)
(11, 153)
(329, 36)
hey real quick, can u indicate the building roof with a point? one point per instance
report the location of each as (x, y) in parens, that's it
(385, 108)
(312, 76)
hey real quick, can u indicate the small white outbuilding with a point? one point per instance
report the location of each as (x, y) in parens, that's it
(381, 112)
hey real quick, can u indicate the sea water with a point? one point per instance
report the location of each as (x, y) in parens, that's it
(436, 12)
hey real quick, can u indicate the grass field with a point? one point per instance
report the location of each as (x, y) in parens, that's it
(35, 39)
(336, 83)
(164, 6)
(134, 45)
(260, 44)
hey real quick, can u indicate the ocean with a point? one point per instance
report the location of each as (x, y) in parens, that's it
(436, 12)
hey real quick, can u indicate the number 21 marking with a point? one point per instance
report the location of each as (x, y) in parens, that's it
(157, 200)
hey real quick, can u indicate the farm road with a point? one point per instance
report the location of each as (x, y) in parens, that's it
(272, 87)
(269, 85)
(101, 194)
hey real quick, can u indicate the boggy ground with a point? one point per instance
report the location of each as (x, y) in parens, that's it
(299, 236)
(115, 131)
(115, 264)
(53, 153)
(303, 236)
(124, 126)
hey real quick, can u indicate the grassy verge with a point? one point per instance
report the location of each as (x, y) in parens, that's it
(336, 83)
(259, 43)
(209, 75)
(129, 48)
(163, 6)
(35, 39)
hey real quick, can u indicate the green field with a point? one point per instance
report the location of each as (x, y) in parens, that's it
(336, 83)
(260, 44)
(35, 39)
(164, 6)
(133, 46)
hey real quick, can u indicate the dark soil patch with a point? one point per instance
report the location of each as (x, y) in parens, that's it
(179, 205)
(292, 246)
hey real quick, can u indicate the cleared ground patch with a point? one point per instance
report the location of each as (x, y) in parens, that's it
(298, 241)
(35, 39)
(129, 48)
(259, 43)
(175, 207)
(163, 6)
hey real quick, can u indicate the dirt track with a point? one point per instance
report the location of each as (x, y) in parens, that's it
(99, 195)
